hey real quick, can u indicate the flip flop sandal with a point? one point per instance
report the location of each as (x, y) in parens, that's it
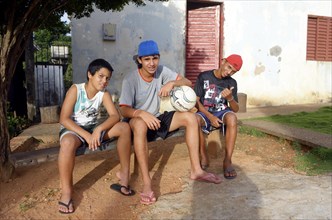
(117, 187)
(67, 206)
(209, 178)
(148, 198)
(228, 171)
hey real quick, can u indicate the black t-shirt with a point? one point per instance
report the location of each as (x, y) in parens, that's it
(208, 87)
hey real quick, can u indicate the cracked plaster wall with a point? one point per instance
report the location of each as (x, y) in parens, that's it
(162, 22)
(271, 37)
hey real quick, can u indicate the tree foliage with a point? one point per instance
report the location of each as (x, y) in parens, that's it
(47, 36)
(18, 19)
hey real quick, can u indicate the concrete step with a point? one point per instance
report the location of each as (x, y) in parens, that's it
(303, 136)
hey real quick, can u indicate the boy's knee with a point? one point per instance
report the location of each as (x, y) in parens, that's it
(231, 120)
(190, 119)
(124, 128)
(67, 145)
(138, 125)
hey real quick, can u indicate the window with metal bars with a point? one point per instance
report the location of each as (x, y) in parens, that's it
(319, 38)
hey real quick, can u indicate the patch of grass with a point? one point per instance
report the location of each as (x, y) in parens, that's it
(251, 131)
(313, 161)
(320, 120)
(27, 204)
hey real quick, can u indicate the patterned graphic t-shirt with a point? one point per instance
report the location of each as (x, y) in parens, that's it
(208, 87)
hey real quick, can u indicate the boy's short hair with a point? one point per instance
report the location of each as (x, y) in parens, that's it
(135, 58)
(96, 65)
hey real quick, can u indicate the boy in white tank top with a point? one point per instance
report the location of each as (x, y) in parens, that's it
(79, 126)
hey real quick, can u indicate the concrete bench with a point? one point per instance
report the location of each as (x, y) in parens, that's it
(50, 154)
(214, 143)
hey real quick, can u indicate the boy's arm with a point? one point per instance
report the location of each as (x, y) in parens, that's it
(112, 119)
(66, 112)
(150, 120)
(113, 114)
(180, 81)
(233, 105)
(227, 93)
(127, 111)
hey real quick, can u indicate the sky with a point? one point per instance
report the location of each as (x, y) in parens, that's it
(65, 18)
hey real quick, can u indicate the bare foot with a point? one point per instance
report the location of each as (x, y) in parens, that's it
(148, 198)
(207, 177)
(123, 178)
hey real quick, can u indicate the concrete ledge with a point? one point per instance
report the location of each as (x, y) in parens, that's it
(23, 143)
(301, 135)
(50, 154)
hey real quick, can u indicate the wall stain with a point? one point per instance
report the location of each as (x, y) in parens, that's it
(259, 69)
(275, 51)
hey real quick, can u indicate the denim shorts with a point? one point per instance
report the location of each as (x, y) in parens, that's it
(208, 127)
(90, 129)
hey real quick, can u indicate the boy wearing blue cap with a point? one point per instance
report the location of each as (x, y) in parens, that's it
(140, 103)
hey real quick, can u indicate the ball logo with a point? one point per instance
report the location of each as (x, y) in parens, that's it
(183, 98)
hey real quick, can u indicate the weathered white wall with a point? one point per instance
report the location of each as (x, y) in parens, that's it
(271, 36)
(162, 22)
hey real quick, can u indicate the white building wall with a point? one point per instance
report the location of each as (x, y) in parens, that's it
(162, 22)
(271, 36)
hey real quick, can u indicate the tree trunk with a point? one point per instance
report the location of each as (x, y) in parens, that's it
(12, 46)
(15, 32)
(30, 80)
(6, 168)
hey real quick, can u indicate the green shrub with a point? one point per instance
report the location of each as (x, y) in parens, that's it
(313, 161)
(16, 124)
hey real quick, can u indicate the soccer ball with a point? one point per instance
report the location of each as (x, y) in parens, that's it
(183, 98)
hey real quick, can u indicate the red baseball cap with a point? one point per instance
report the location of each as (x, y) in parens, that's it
(235, 60)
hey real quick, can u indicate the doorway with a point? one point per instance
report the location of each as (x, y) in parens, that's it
(204, 37)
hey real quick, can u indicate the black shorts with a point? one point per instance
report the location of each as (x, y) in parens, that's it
(163, 132)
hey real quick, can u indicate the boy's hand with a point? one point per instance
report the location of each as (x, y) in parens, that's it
(227, 93)
(215, 121)
(94, 141)
(166, 89)
(150, 120)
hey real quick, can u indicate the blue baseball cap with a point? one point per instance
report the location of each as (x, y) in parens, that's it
(147, 48)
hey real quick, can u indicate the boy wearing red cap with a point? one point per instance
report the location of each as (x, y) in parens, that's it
(217, 101)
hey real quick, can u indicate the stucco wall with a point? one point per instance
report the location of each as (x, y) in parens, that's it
(271, 37)
(162, 22)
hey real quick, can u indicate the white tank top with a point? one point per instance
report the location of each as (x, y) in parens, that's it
(86, 110)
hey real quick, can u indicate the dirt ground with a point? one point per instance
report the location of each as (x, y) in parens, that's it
(34, 191)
